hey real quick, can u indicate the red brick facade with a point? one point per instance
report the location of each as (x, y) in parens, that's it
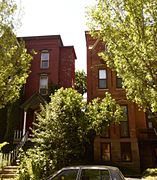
(53, 64)
(113, 148)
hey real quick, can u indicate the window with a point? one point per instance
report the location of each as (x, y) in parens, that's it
(151, 120)
(124, 129)
(44, 59)
(105, 151)
(67, 175)
(95, 174)
(118, 82)
(43, 89)
(126, 151)
(102, 79)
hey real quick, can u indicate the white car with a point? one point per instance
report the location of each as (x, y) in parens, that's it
(98, 172)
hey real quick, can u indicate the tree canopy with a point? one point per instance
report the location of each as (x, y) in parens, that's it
(63, 128)
(129, 30)
(80, 81)
(14, 60)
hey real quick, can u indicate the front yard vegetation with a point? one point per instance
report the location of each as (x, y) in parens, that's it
(64, 132)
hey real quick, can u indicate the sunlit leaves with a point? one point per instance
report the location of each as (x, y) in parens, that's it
(14, 60)
(129, 29)
(63, 125)
(102, 113)
(80, 81)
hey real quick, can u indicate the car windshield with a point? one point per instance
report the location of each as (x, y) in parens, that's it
(70, 174)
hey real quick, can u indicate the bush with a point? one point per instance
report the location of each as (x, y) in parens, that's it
(62, 132)
(34, 165)
(150, 172)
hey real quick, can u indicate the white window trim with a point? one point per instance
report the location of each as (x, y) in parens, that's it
(46, 60)
(100, 77)
(46, 86)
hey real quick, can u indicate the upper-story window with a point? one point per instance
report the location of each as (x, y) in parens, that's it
(44, 59)
(151, 120)
(124, 125)
(102, 79)
(43, 89)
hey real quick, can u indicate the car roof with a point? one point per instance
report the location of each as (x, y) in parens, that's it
(91, 167)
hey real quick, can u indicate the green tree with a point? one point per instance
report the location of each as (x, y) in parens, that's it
(129, 30)
(14, 60)
(102, 112)
(64, 127)
(80, 81)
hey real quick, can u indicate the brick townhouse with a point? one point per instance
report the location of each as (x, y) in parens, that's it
(53, 65)
(133, 142)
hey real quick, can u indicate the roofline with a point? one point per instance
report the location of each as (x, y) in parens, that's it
(42, 37)
(49, 36)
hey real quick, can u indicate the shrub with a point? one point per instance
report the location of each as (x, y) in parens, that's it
(152, 172)
(34, 165)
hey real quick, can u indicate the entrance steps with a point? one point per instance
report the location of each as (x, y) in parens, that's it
(8, 172)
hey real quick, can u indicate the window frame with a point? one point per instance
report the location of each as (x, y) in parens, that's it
(44, 60)
(118, 82)
(102, 79)
(105, 153)
(40, 84)
(127, 151)
(124, 123)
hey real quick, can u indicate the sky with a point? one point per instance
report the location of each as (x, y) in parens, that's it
(57, 17)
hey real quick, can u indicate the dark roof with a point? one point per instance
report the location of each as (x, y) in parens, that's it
(33, 102)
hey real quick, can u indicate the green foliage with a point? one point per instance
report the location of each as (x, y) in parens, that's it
(80, 81)
(101, 113)
(33, 165)
(150, 172)
(61, 122)
(53, 88)
(128, 28)
(14, 60)
(2, 145)
(63, 128)
(9, 119)
(12, 119)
